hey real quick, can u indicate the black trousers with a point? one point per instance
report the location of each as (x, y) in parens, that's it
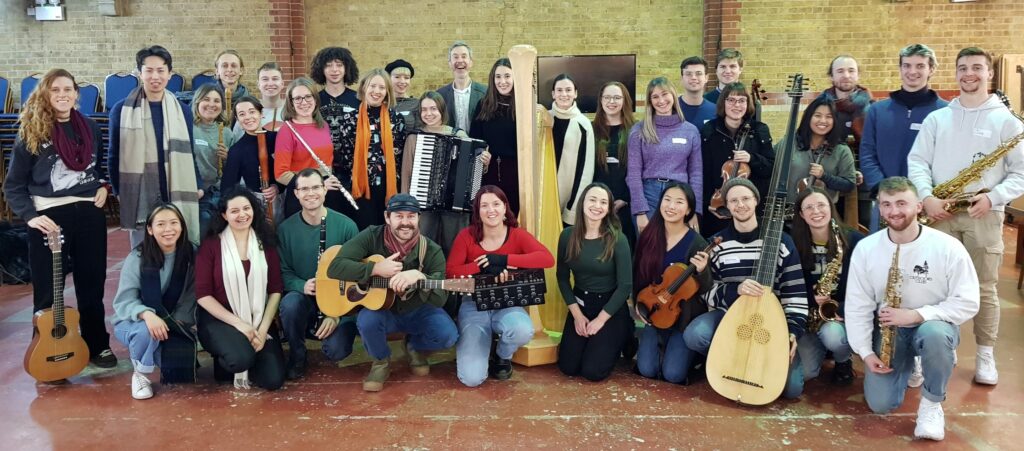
(233, 353)
(594, 357)
(84, 254)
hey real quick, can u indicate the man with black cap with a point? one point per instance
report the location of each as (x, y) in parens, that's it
(410, 258)
(401, 72)
(732, 274)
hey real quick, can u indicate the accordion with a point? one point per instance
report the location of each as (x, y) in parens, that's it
(527, 287)
(446, 171)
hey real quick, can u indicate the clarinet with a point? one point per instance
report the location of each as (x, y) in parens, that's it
(320, 253)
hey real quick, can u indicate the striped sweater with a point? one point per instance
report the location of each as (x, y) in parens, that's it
(735, 261)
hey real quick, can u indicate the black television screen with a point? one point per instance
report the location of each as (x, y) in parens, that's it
(590, 72)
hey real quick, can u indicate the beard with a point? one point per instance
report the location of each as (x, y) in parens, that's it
(900, 224)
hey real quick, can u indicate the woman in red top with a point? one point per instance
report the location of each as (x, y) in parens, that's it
(492, 244)
(238, 284)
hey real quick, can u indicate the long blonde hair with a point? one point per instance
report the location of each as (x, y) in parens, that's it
(38, 116)
(650, 130)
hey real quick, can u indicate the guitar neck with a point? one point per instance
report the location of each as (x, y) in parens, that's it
(425, 284)
(58, 289)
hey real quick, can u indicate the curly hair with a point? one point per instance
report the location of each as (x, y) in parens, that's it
(328, 54)
(38, 116)
(264, 231)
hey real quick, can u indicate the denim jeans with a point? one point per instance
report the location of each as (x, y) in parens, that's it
(142, 348)
(701, 331)
(813, 347)
(428, 328)
(935, 341)
(663, 353)
(297, 310)
(476, 328)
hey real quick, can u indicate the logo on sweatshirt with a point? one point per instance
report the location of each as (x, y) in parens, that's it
(920, 273)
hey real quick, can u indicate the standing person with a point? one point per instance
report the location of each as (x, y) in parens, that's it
(732, 273)
(891, 125)
(369, 157)
(934, 279)
(303, 238)
(335, 69)
(304, 142)
(492, 244)
(978, 121)
(852, 102)
(820, 153)
(155, 304)
(150, 156)
(727, 70)
(611, 125)
(229, 70)
(243, 163)
(495, 124)
(271, 85)
(697, 110)
(401, 72)
(463, 95)
(596, 254)
(238, 286)
(55, 183)
(663, 148)
(667, 240)
(815, 222)
(439, 226)
(574, 146)
(417, 313)
(721, 140)
(212, 137)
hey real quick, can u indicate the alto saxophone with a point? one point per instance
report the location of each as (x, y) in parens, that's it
(828, 310)
(893, 299)
(954, 188)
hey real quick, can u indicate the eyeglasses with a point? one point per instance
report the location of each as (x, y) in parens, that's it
(741, 200)
(736, 100)
(310, 189)
(612, 98)
(308, 98)
(815, 207)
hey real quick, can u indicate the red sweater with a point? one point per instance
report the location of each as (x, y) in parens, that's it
(210, 278)
(523, 250)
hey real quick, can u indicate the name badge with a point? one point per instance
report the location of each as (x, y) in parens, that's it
(730, 260)
(706, 120)
(202, 142)
(915, 126)
(980, 132)
(678, 140)
(580, 301)
(613, 160)
(849, 124)
(404, 113)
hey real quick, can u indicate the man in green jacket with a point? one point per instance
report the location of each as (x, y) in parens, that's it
(416, 312)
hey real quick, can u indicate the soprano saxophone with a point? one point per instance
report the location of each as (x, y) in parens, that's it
(954, 189)
(828, 282)
(893, 299)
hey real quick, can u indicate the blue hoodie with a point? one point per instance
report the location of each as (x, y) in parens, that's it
(890, 129)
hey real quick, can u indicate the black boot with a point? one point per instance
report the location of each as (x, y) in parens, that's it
(842, 374)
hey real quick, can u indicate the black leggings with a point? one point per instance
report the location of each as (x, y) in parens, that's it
(84, 254)
(232, 352)
(594, 357)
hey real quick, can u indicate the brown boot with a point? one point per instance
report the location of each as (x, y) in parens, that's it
(417, 362)
(379, 372)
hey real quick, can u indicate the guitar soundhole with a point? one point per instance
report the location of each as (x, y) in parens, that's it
(752, 330)
(59, 331)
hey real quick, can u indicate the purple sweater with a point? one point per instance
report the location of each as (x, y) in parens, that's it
(676, 156)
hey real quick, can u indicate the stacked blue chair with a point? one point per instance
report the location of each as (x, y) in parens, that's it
(6, 99)
(176, 83)
(203, 78)
(28, 84)
(89, 98)
(116, 87)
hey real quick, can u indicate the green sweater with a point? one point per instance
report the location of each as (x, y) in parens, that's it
(300, 244)
(591, 274)
(349, 265)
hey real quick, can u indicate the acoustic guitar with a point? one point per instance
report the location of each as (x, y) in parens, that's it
(339, 297)
(57, 350)
(748, 361)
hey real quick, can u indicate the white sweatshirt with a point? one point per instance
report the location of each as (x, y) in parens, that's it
(952, 138)
(939, 282)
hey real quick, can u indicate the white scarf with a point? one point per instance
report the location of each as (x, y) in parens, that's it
(570, 159)
(247, 296)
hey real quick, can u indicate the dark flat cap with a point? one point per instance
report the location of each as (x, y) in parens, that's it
(403, 202)
(400, 63)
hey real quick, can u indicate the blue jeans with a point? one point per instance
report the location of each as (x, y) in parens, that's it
(142, 348)
(813, 347)
(935, 341)
(472, 353)
(297, 310)
(663, 352)
(208, 208)
(701, 331)
(428, 328)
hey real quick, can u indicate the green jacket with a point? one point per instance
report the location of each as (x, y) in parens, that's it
(349, 265)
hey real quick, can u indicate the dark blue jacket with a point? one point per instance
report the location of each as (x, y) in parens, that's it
(889, 132)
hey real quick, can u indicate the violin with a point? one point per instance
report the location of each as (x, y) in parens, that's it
(731, 169)
(811, 180)
(678, 284)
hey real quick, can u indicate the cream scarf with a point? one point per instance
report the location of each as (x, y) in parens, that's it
(570, 189)
(247, 296)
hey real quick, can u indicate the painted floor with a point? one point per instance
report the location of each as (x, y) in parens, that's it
(537, 409)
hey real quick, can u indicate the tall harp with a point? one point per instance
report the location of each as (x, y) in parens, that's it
(539, 213)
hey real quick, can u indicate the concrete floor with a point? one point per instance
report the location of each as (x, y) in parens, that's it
(538, 409)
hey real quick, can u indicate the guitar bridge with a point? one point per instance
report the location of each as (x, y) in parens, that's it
(60, 357)
(742, 381)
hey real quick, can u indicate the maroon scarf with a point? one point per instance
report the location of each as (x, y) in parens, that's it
(393, 245)
(76, 155)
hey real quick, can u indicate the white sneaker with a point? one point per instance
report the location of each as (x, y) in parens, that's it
(931, 422)
(917, 377)
(141, 387)
(985, 369)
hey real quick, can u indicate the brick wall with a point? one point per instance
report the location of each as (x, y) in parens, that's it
(660, 32)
